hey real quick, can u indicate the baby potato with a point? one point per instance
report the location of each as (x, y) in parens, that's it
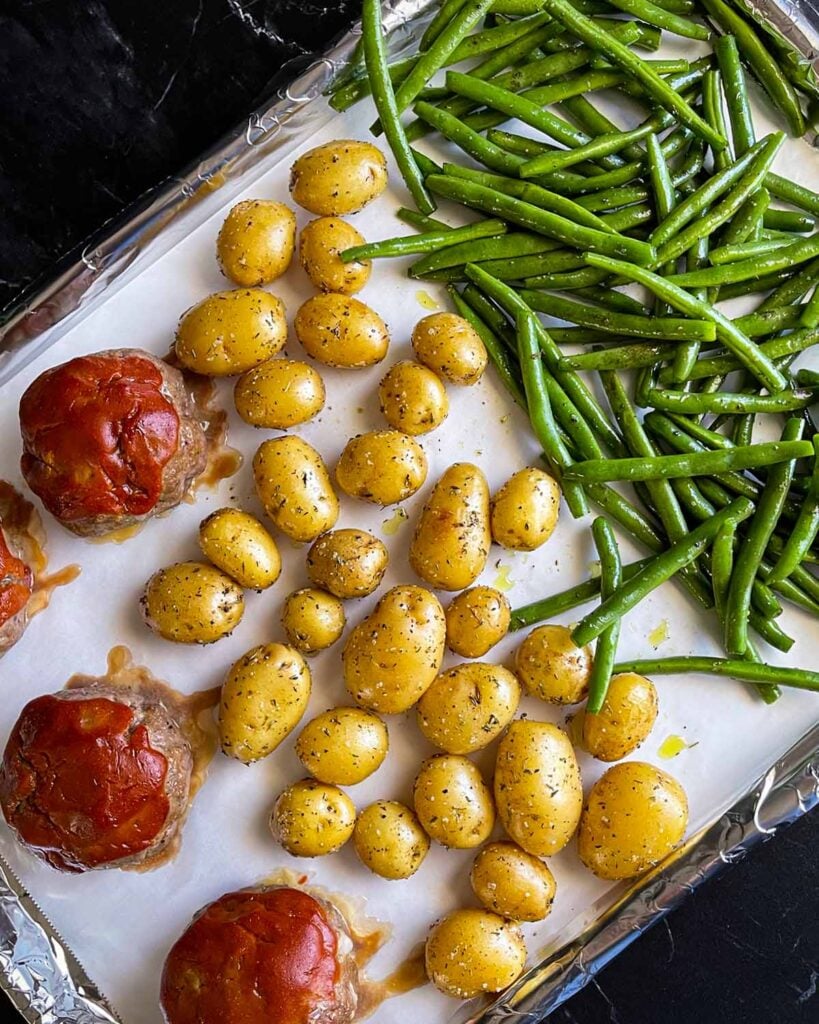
(343, 746)
(382, 466)
(412, 398)
(294, 486)
(537, 787)
(524, 511)
(192, 603)
(320, 243)
(389, 840)
(311, 819)
(450, 346)
(279, 393)
(263, 699)
(625, 719)
(392, 656)
(513, 883)
(338, 330)
(476, 620)
(256, 242)
(551, 667)
(468, 706)
(230, 332)
(339, 177)
(238, 544)
(313, 620)
(451, 540)
(453, 802)
(634, 816)
(348, 563)
(473, 951)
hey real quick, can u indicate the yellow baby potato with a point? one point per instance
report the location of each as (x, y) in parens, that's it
(453, 802)
(392, 657)
(229, 332)
(524, 511)
(256, 242)
(468, 706)
(451, 540)
(476, 620)
(451, 347)
(389, 840)
(347, 563)
(537, 787)
(511, 882)
(551, 667)
(263, 699)
(412, 398)
(339, 177)
(633, 817)
(382, 466)
(470, 952)
(279, 394)
(294, 487)
(625, 719)
(338, 330)
(192, 603)
(319, 247)
(312, 619)
(343, 746)
(311, 819)
(238, 544)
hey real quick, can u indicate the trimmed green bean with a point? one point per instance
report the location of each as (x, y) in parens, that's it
(748, 219)
(712, 111)
(791, 192)
(620, 357)
(803, 534)
(745, 671)
(611, 577)
(781, 258)
(420, 221)
(732, 253)
(691, 403)
(650, 13)
(787, 344)
(428, 241)
(736, 94)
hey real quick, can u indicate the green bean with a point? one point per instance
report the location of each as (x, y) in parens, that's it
(493, 316)
(792, 288)
(572, 280)
(359, 86)
(426, 165)
(707, 463)
(612, 299)
(791, 192)
(506, 369)
(692, 499)
(376, 61)
(447, 11)
(419, 220)
(627, 515)
(661, 18)
(693, 428)
(513, 245)
(788, 220)
(601, 145)
(729, 334)
(746, 223)
(659, 569)
(787, 344)
(611, 576)
(712, 111)
(698, 404)
(745, 250)
(428, 241)
(466, 139)
(757, 54)
(745, 671)
(751, 269)
(769, 321)
(736, 94)
(810, 314)
(803, 534)
(722, 564)
(769, 508)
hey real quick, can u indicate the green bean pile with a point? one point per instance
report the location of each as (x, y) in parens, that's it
(574, 215)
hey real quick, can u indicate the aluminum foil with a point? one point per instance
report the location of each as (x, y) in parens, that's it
(793, 27)
(37, 968)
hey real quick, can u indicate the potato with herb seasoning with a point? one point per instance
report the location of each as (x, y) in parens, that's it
(476, 620)
(468, 706)
(238, 544)
(511, 882)
(393, 655)
(624, 721)
(343, 746)
(339, 177)
(340, 331)
(294, 487)
(453, 802)
(229, 332)
(633, 817)
(451, 540)
(312, 819)
(312, 619)
(524, 511)
(551, 667)
(263, 699)
(451, 347)
(320, 243)
(470, 952)
(389, 840)
(192, 603)
(382, 466)
(279, 394)
(412, 398)
(256, 242)
(537, 787)
(347, 563)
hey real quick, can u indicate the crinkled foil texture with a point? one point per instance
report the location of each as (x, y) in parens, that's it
(793, 26)
(37, 969)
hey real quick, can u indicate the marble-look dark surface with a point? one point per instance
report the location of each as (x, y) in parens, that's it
(101, 99)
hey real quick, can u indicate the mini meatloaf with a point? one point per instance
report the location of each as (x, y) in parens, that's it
(109, 440)
(16, 587)
(271, 954)
(96, 777)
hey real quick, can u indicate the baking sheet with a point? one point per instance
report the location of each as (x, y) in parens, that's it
(121, 924)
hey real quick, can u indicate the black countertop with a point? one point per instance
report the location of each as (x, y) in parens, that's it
(101, 100)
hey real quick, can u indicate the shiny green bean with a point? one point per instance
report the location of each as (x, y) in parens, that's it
(611, 577)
